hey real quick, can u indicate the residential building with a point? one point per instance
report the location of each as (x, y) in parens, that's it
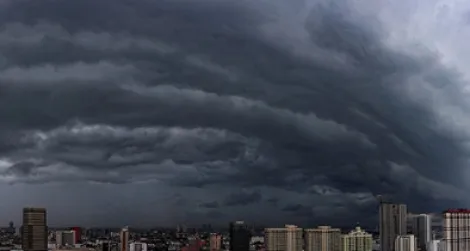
(323, 238)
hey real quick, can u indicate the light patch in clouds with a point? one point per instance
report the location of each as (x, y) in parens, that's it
(77, 72)
(313, 126)
(25, 35)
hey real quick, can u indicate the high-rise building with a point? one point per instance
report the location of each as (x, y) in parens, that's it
(240, 236)
(392, 221)
(405, 243)
(34, 230)
(456, 229)
(323, 238)
(288, 238)
(421, 229)
(215, 242)
(124, 239)
(356, 240)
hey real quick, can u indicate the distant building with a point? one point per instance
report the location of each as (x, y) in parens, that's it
(138, 246)
(34, 230)
(78, 234)
(421, 229)
(405, 243)
(215, 242)
(323, 238)
(392, 221)
(240, 236)
(356, 240)
(105, 246)
(456, 228)
(288, 238)
(65, 238)
(124, 239)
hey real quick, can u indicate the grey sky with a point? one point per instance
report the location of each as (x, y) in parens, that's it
(164, 112)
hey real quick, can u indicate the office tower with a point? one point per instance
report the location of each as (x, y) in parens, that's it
(288, 238)
(405, 243)
(421, 229)
(356, 240)
(456, 228)
(240, 236)
(124, 239)
(138, 246)
(215, 242)
(34, 229)
(392, 221)
(78, 234)
(323, 238)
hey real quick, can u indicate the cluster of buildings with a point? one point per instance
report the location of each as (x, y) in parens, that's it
(398, 231)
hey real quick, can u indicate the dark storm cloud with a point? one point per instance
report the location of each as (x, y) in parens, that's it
(299, 210)
(212, 204)
(220, 97)
(242, 198)
(273, 201)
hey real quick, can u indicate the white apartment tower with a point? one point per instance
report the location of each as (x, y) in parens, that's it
(323, 238)
(356, 240)
(405, 243)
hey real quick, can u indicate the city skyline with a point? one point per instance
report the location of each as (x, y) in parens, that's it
(158, 113)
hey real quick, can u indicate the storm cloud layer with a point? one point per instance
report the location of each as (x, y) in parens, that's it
(164, 112)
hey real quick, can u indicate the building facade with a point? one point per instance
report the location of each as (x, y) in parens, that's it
(138, 246)
(356, 240)
(240, 236)
(124, 239)
(323, 238)
(392, 223)
(456, 229)
(215, 242)
(65, 238)
(288, 238)
(421, 229)
(405, 243)
(34, 233)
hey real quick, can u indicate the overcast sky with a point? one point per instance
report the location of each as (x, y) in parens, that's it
(162, 112)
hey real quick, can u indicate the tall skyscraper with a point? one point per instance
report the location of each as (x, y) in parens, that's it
(356, 240)
(124, 239)
(288, 238)
(405, 243)
(323, 238)
(456, 228)
(34, 230)
(240, 236)
(392, 220)
(421, 229)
